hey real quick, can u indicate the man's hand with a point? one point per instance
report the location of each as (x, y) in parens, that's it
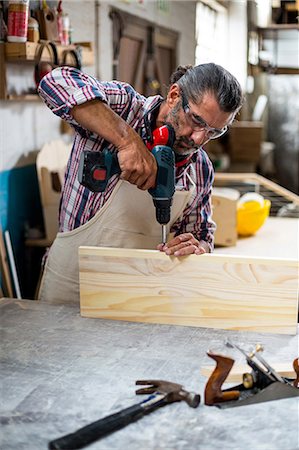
(138, 165)
(184, 244)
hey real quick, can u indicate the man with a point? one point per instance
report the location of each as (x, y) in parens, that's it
(200, 104)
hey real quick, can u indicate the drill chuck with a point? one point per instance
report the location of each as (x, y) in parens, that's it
(163, 207)
(163, 193)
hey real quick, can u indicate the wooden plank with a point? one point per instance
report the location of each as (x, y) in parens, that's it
(214, 291)
(235, 375)
(4, 266)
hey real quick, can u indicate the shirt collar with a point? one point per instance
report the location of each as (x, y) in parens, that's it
(150, 111)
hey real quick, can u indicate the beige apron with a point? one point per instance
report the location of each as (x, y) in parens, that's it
(129, 223)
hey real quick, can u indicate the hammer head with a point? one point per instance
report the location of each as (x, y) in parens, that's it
(173, 392)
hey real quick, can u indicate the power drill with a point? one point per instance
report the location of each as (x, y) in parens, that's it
(96, 169)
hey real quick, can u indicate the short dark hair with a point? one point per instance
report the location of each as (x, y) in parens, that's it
(209, 78)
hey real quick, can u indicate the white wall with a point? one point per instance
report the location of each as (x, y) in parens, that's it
(26, 126)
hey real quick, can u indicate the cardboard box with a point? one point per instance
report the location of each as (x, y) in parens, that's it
(224, 206)
(245, 139)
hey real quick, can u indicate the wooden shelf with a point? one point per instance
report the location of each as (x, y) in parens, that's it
(284, 70)
(276, 33)
(27, 51)
(279, 26)
(258, 69)
(25, 97)
(43, 242)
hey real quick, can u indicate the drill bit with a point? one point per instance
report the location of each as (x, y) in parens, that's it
(164, 234)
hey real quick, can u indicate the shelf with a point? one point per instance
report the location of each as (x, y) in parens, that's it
(43, 242)
(282, 26)
(258, 69)
(279, 31)
(24, 98)
(278, 43)
(27, 51)
(283, 71)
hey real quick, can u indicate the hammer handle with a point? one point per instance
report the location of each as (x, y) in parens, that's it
(96, 430)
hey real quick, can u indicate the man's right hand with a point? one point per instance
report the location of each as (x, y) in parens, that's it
(138, 165)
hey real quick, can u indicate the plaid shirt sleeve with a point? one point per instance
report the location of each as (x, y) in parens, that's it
(61, 90)
(66, 87)
(197, 216)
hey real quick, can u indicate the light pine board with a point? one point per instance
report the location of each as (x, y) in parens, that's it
(235, 375)
(213, 291)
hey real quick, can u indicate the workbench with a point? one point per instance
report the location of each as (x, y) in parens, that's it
(277, 238)
(61, 371)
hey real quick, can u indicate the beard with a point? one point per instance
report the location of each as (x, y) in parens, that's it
(184, 146)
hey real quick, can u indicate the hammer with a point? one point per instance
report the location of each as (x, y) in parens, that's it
(162, 392)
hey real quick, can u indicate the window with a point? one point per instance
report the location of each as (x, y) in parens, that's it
(211, 33)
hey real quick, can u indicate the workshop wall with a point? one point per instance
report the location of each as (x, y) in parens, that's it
(175, 15)
(32, 124)
(26, 125)
(284, 128)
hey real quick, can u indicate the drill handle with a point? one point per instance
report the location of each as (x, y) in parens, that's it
(96, 169)
(165, 181)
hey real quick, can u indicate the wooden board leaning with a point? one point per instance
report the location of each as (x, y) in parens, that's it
(213, 291)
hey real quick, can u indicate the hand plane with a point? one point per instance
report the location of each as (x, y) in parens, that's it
(262, 384)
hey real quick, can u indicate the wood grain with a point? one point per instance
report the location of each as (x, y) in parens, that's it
(235, 375)
(214, 291)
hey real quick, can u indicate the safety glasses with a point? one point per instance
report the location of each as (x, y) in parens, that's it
(198, 123)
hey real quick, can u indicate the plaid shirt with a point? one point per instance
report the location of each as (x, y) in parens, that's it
(66, 87)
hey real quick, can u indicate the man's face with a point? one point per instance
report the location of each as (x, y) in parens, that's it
(194, 124)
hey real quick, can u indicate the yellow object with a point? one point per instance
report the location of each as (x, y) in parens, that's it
(251, 215)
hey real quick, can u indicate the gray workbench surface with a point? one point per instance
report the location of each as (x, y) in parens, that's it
(60, 372)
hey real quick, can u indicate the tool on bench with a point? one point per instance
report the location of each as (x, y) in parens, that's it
(262, 384)
(213, 392)
(163, 392)
(96, 169)
(262, 373)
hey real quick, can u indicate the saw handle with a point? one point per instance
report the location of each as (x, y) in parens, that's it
(102, 427)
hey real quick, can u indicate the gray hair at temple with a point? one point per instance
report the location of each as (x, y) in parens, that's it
(209, 78)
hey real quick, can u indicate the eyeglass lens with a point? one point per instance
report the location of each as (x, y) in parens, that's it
(198, 124)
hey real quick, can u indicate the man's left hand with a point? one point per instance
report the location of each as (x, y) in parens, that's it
(184, 244)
